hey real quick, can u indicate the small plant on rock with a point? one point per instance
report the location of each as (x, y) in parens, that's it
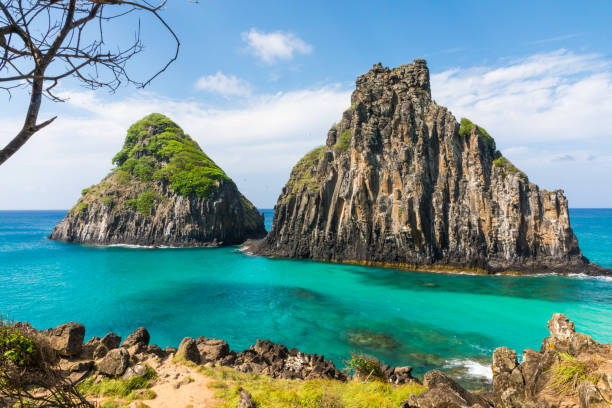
(569, 372)
(366, 368)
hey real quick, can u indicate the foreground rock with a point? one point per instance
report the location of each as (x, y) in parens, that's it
(401, 182)
(164, 192)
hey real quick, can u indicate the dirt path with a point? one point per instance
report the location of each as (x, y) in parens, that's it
(179, 386)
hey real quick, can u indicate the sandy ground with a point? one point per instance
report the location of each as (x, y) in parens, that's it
(179, 386)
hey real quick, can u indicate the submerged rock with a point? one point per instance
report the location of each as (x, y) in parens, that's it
(401, 182)
(164, 191)
(371, 339)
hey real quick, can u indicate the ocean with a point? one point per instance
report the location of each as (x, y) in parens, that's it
(424, 320)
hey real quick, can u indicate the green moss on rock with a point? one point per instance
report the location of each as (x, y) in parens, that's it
(506, 167)
(465, 129)
(344, 141)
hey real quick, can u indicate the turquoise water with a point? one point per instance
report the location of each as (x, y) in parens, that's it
(420, 319)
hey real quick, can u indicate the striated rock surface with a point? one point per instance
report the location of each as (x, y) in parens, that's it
(401, 182)
(164, 192)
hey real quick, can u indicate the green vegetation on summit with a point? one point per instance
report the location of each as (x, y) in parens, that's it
(156, 148)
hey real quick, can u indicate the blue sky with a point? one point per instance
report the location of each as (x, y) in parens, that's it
(259, 83)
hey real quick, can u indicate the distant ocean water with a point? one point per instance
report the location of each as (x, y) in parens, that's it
(404, 318)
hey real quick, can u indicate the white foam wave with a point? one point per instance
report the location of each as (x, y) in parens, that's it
(473, 368)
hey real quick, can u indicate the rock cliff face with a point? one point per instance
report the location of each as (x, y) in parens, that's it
(164, 192)
(401, 182)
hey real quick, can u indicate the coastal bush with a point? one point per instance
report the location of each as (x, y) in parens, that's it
(133, 388)
(85, 191)
(569, 372)
(344, 142)
(365, 368)
(29, 376)
(465, 128)
(277, 393)
(16, 347)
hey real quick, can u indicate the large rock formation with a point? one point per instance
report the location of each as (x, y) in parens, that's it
(164, 191)
(401, 182)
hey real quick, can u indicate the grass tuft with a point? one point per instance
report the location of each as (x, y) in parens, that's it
(131, 389)
(569, 372)
(365, 368)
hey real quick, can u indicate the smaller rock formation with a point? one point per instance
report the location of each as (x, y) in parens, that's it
(164, 191)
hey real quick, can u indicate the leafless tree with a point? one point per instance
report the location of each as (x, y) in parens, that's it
(45, 41)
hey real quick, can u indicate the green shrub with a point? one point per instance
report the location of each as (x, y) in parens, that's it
(17, 347)
(132, 203)
(85, 191)
(123, 176)
(365, 367)
(143, 203)
(108, 200)
(82, 206)
(344, 141)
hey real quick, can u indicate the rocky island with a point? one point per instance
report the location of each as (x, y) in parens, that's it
(164, 191)
(400, 182)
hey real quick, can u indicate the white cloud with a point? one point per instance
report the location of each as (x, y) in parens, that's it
(224, 85)
(257, 144)
(273, 46)
(546, 97)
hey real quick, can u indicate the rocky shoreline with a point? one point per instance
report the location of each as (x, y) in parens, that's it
(539, 381)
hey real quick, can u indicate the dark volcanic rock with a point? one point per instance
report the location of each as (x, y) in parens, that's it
(111, 340)
(188, 351)
(443, 391)
(140, 336)
(212, 350)
(401, 182)
(245, 400)
(114, 363)
(67, 338)
(275, 360)
(164, 192)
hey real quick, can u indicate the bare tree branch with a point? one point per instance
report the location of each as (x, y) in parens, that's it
(45, 41)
